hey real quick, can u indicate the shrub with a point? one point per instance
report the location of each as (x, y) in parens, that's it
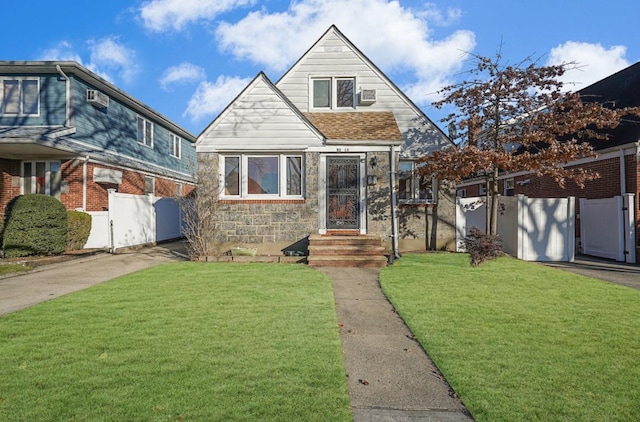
(482, 247)
(78, 229)
(35, 225)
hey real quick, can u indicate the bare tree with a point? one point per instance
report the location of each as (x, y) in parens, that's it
(201, 225)
(517, 118)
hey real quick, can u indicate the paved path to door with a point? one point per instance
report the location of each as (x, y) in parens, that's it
(390, 376)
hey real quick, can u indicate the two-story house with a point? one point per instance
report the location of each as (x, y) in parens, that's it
(327, 152)
(69, 133)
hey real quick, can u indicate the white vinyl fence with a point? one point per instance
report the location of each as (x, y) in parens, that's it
(607, 228)
(134, 220)
(532, 229)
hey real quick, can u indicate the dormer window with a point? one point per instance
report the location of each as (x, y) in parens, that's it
(333, 93)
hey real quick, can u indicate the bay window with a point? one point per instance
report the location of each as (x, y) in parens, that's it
(262, 176)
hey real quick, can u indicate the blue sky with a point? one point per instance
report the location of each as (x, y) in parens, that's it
(188, 59)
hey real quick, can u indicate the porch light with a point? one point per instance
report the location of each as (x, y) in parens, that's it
(373, 161)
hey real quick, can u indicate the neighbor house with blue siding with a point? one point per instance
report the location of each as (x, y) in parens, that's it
(71, 134)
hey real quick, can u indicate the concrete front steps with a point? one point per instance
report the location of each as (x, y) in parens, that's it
(346, 251)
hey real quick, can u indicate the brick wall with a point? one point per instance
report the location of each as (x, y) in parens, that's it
(72, 188)
(9, 182)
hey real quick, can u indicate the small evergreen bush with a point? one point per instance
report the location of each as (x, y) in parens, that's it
(35, 225)
(78, 229)
(482, 247)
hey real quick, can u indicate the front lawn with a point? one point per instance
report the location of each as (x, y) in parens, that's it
(521, 341)
(182, 341)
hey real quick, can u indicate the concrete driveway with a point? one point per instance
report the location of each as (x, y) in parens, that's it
(611, 271)
(21, 290)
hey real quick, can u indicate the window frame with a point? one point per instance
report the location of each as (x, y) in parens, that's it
(244, 171)
(149, 185)
(52, 183)
(176, 146)
(509, 185)
(415, 180)
(147, 131)
(21, 97)
(333, 92)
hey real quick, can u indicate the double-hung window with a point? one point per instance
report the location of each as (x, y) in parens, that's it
(175, 145)
(333, 92)
(21, 97)
(263, 176)
(414, 187)
(145, 132)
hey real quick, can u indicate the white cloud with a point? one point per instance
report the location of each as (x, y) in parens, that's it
(106, 56)
(395, 38)
(64, 51)
(162, 15)
(109, 55)
(182, 73)
(594, 62)
(211, 97)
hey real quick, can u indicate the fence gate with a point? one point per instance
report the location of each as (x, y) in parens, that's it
(607, 228)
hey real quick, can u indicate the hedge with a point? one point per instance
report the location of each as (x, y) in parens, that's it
(35, 225)
(78, 229)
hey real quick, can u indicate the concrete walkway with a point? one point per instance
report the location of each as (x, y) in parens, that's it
(22, 290)
(390, 376)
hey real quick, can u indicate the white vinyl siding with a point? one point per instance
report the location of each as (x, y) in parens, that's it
(259, 119)
(333, 57)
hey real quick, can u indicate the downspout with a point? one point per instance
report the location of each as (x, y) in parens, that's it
(68, 95)
(394, 226)
(84, 183)
(623, 173)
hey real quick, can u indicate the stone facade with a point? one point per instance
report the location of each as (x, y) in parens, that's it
(429, 226)
(269, 225)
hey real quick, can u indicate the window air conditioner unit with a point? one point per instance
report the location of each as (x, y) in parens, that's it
(97, 98)
(368, 96)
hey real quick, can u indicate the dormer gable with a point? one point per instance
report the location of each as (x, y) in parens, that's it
(259, 118)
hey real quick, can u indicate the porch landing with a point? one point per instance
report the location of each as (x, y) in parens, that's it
(340, 250)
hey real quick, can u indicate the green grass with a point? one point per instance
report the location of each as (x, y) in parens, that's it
(183, 341)
(521, 341)
(13, 268)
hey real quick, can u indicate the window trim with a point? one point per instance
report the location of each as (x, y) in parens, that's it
(148, 177)
(333, 92)
(175, 141)
(509, 185)
(146, 122)
(21, 111)
(48, 177)
(415, 187)
(243, 191)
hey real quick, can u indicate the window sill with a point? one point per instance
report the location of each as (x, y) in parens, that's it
(262, 201)
(417, 203)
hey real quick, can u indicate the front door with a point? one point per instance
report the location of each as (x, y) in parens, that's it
(343, 193)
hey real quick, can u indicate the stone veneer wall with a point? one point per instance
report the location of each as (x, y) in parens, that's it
(278, 222)
(379, 197)
(429, 227)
